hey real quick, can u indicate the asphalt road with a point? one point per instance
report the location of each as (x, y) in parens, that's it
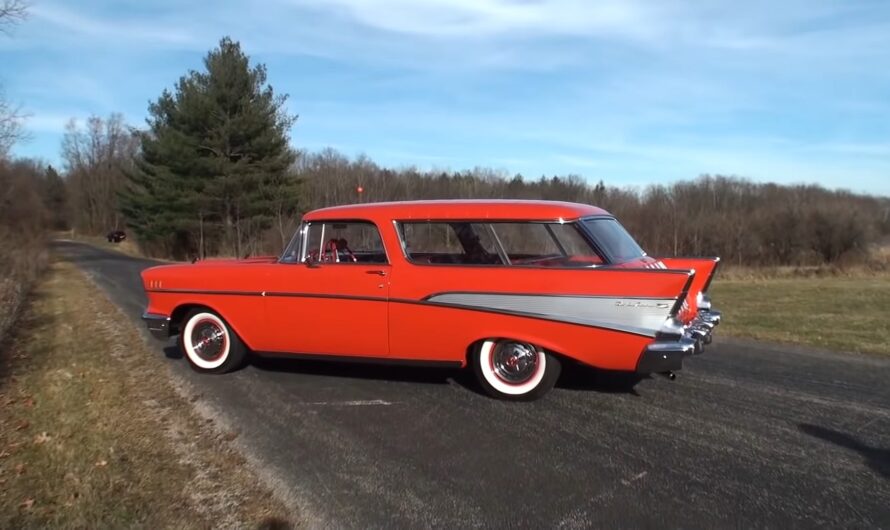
(749, 435)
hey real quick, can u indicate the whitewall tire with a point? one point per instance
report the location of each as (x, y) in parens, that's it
(209, 344)
(515, 370)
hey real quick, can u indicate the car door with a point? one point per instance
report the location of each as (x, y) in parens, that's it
(331, 297)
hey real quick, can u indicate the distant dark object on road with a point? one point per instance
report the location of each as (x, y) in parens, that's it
(116, 236)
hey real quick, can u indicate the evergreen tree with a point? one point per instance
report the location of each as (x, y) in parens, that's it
(215, 164)
(55, 197)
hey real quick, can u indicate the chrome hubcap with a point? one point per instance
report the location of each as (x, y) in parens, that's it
(208, 340)
(514, 362)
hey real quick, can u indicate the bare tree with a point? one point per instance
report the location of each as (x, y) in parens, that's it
(12, 12)
(96, 159)
(11, 117)
(11, 125)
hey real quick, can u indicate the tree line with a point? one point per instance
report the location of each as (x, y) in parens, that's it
(745, 222)
(213, 173)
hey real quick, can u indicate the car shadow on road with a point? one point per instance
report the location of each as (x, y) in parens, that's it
(354, 370)
(172, 351)
(878, 459)
(579, 377)
(574, 377)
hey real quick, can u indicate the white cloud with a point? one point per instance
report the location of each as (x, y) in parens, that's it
(46, 122)
(607, 86)
(478, 18)
(114, 31)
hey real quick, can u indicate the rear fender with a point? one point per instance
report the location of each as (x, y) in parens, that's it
(704, 268)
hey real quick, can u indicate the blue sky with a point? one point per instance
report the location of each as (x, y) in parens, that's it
(631, 92)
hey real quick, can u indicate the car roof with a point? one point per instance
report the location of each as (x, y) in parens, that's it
(459, 209)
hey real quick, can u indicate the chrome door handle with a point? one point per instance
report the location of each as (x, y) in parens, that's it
(378, 273)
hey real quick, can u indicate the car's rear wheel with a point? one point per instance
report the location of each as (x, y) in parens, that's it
(515, 370)
(209, 343)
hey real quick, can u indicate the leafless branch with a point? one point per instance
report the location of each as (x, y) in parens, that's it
(12, 12)
(11, 126)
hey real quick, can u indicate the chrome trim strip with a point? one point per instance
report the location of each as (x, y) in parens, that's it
(401, 300)
(608, 324)
(557, 295)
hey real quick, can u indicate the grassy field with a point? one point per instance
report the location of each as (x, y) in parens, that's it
(849, 313)
(94, 435)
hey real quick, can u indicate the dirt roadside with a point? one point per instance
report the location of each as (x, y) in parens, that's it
(93, 432)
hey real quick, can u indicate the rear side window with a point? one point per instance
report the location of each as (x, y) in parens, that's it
(526, 242)
(532, 244)
(614, 240)
(458, 242)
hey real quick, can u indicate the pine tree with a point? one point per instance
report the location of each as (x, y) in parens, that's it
(55, 197)
(215, 165)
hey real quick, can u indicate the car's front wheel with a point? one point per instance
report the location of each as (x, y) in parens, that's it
(515, 370)
(209, 343)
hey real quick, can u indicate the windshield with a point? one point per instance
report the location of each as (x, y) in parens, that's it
(613, 239)
(292, 252)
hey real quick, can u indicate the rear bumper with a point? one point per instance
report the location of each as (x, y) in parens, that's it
(158, 325)
(666, 354)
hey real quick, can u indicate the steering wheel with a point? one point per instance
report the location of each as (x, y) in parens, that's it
(337, 247)
(343, 247)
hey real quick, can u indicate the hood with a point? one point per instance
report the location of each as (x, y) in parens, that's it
(210, 273)
(212, 262)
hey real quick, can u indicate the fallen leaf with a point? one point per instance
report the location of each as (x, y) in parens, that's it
(19, 469)
(101, 463)
(24, 424)
(42, 438)
(29, 403)
(26, 504)
(231, 435)
(4, 454)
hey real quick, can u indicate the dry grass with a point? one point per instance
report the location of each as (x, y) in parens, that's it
(93, 434)
(22, 258)
(875, 264)
(846, 312)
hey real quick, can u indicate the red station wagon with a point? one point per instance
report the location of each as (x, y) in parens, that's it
(511, 288)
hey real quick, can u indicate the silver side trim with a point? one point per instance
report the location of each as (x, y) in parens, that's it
(641, 316)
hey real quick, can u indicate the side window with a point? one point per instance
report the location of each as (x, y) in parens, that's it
(344, 242)
(449, 243)
(526, 242)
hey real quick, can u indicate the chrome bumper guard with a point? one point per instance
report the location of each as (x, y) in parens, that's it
(667, 352)
(158, 325)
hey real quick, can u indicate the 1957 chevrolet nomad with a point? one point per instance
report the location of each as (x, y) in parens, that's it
(511, 288)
